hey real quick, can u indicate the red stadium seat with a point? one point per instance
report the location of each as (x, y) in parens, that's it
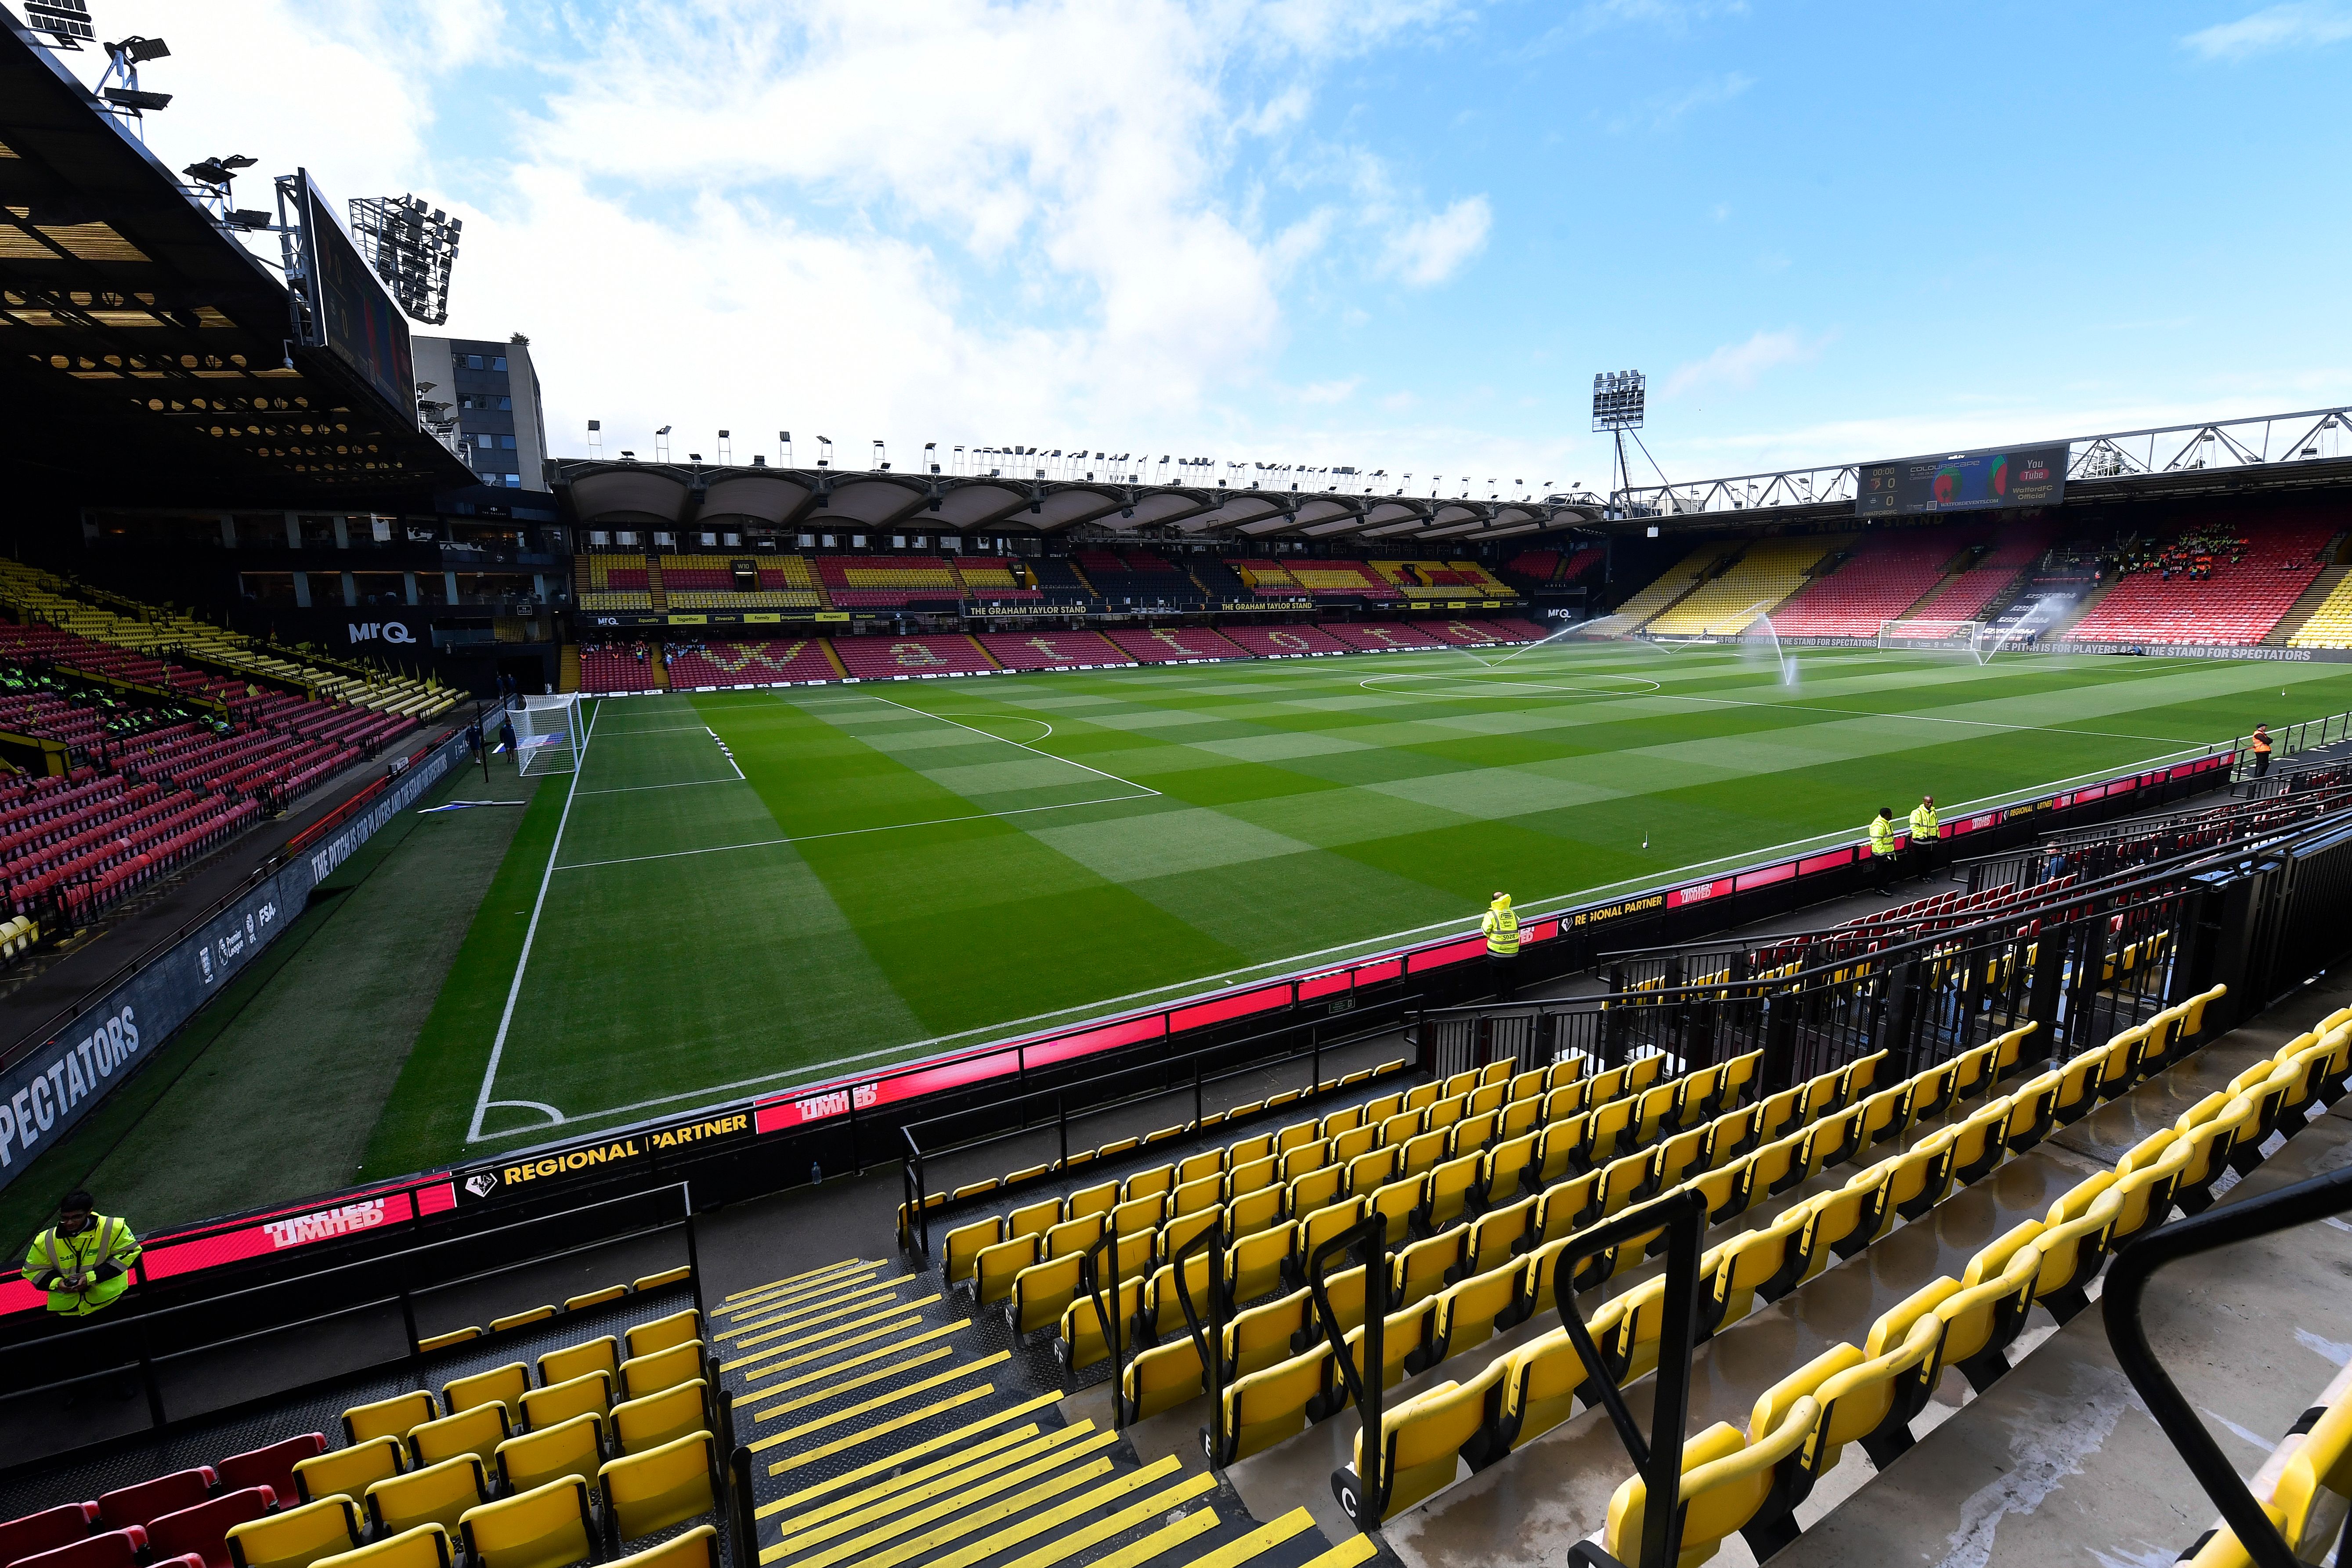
(115, 1548)
(156, 1496)
(271, 1467)
(47, 1531)
(202, 1531)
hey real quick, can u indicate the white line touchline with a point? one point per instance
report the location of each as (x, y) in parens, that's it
(688, 783)
(852, 832)
(1024, 745)
(531, 933)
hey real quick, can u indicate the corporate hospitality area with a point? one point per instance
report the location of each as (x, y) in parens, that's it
(765, 1007)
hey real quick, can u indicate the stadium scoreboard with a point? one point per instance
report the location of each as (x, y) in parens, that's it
(1962, 481)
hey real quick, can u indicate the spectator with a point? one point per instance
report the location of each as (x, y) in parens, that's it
(1500, 926)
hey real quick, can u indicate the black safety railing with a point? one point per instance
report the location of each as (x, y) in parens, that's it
(142, 1347)
(1109, 1316)
(2088, 965)
(2138, 845)
(1201, 1072)
(2318, 1198)
(1207, 1330)
(1364, 1496)
(2287, 741)
(1657, 1457)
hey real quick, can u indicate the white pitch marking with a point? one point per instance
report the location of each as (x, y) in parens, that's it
(1024, 745)
(531, 933)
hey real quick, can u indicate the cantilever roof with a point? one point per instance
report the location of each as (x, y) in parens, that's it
(681, 495)
(144, 349)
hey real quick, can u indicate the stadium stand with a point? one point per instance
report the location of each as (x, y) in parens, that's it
(1140, 576)
(604, 581)
(1338, 579)
(1887, 573)
(1058, 582)
(1379, 636)
(1052, 651)
(1992, 576)
(1266, 579)
(1220, 581)
(1663, 589)
(888, 582)
(2209, 586)
(793, 660)
(1284, 642)
(617, 667)
(1167, 645)
(1440, 579)
(1553, 568)
(719, 583)
(33, 595)
(997, 579)
(2329, 623)
(1479, 634)
(877, 657)
(1767, 572)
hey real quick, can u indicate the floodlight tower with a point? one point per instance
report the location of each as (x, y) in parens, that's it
(411, 249)
(1617, 399)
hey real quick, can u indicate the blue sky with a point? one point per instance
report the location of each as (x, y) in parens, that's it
(1397, 234)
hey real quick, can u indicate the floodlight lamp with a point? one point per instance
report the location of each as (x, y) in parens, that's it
(694, 456)
(595, 424)
(139, 49)
(663, 431)
(63, 20)
(135, 99)
(723, 434)
(247, 218)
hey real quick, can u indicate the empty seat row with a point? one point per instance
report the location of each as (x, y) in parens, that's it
(540, 1315)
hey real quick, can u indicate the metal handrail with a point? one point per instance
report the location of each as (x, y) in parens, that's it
(1659, 1458)
(1363, 1497)
(1108, 1317)
(2319, 1197)
(1210, 1346)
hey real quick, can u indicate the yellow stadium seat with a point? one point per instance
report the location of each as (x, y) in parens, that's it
(522, 1320)
(390, 1417)
(425, 1546)
(573, 1447)
(678, 1275)
(1266, 1404)
(1725, 1482)
(500, 1385)
(1162, 1378)
(547, 1526)
(1260, 1336)
(574, 1361)
(1042, 1291)
(1082, 1343)
(1422, 1441)
(1465, 1312)
(590, 1393)
(1093, 1200)
(431, 1343)
(641, 1375)
(1254, 1212)
(1539, 1383)
(1497, 1235)
(662, 1334)
(350, 1471)
(436, 1495)
(696, 1548)
(478, 1431)
(296, 1537)
(1254, 1263)
(661, 1487)
(658, 1418)
(1421, 1267)
(1451, 1186)
(597, 1298)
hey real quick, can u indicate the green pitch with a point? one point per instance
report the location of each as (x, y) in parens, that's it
(746, 891)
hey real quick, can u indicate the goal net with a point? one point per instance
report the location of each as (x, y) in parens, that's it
(1946, 637)
(548, 733)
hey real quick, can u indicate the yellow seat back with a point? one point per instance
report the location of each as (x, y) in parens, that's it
(641, 1375)
(576, 1360)
(425, 1546)
(437, 1494)
(500, 1385)
(1259, 1337)
(590, 1393)
(547, 1526)
(573, 1447)
(478, 1431)
(388, 1418)
(661, 1486)
(350, 1471)
(661, 1333)
(1269, 1403)
(658, 1418)
(297, 1537)
(1163, 1377)
(1424, 1438)
(696, 1548)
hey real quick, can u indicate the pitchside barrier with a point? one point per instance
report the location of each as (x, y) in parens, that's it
(87, 1051)
(750, 1147)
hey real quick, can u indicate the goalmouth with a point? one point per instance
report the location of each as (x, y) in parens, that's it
(549, 734)
(1931, 637)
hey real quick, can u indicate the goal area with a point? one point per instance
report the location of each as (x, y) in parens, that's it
(548, 733)
(1931, 637)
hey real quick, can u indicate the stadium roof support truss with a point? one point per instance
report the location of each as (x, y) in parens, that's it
(2260, 442)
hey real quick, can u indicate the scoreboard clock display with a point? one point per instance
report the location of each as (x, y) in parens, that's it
(1962, 481)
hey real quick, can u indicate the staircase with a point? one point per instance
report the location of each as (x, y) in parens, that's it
(2057, 630)
(568, 668)
(660, 600)
(656, 670)
(2303, 608)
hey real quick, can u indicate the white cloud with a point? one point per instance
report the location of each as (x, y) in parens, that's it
(1331, 391)
(2303, 23)
(1431, 250)
(1738, 365)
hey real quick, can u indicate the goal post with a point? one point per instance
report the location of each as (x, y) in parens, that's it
(548, 733)
(1930, 636)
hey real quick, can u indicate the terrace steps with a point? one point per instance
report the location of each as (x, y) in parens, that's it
(568, 668)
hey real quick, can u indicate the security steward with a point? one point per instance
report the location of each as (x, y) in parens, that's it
(1882, 856)
(2262, 750)
(1500, 927)
(84, 1260)
(1925, 838)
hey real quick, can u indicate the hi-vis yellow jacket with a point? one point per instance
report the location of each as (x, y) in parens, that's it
(1501, 928)
(1882, 836)
(97, 1259)
(1923, 821)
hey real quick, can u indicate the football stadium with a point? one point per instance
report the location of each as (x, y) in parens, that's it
(1051, 1008)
